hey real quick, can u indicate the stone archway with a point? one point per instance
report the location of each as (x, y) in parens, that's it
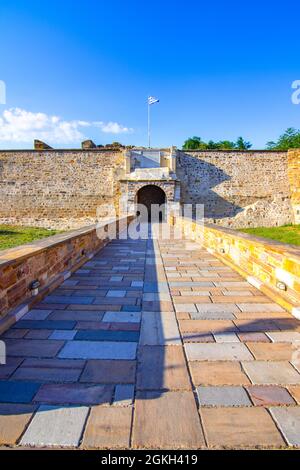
(152, 196)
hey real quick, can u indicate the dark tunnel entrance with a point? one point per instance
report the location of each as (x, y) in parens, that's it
(152, 197)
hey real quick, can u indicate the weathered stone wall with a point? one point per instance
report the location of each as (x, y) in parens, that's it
(49, 261)
(294, 180)
(270, 266)
(238, 189)
(58, 188)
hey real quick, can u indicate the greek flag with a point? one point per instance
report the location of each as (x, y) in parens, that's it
(152, 100)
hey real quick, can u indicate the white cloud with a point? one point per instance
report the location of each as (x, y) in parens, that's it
(19, 125)
(113, 128)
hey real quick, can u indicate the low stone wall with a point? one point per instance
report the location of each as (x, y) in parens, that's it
(268, 265)
(49, 261)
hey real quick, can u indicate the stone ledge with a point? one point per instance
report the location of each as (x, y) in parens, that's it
(262, 262)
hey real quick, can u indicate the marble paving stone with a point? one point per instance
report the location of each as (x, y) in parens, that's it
(108, 427)
(197, 338)
(159, 328)
(212, 316)
(116, 293)
(17, 392)
(13, 420)
(59, 299)
(53, 426)
(109, 372)
(284, 336)
(63, 334)
(222, 396)
(124, 395)
(77, 315)
(272, 351)
(288, 421)
(37, 314)
(218, 373)
(269, 395)
(216, 308)
(226, 338)
(153, 287)
(253, 337)
(81, 394)
(6, 370)
(271, 373)
(162, 368)
(131, 317)
(131, 308)
(153, 296)
(166, 421)
(107, 335)
(295, 392)
(217, 352)
(45, 325)
(46, 374)
(37, 334)
(137, 284)
(238, 427)
(98, 350)
(33, 347)
(260, 307)
(207, 326)
(189, 308)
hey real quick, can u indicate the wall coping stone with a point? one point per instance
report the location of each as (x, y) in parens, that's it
(21, 252)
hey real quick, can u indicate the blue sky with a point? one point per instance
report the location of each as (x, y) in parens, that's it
(78, 69)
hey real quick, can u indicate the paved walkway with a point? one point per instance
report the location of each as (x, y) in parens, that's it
(156, 344)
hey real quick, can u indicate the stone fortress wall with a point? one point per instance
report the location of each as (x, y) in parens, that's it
(64, 188)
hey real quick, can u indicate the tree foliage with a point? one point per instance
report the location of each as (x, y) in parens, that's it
(196, 143)
(288, 140)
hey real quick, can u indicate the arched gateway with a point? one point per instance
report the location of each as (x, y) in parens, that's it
(153, 198)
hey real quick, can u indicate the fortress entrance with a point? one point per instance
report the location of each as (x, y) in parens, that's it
(150, 195)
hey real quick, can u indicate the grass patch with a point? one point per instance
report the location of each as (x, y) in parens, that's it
(11, 235)
(285, 234)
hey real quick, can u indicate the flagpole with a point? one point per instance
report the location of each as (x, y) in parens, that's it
(149, 138)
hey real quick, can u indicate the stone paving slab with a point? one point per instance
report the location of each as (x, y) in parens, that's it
(108, 428)
(107, 335)
(18, 392)
(98, 350)
(217, 352)
(166, 421)
(238, 427)
(162, 368)
(218, 373)
(80, 394)
(109, 372)
(270, 395)
(159, 328)
(223, 396)
(288, 421)
(272, 373)
(13, 420)
(56, 426)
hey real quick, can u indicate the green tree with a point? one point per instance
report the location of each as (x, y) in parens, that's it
(290, 139)
(242, 144)
(194, 143)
